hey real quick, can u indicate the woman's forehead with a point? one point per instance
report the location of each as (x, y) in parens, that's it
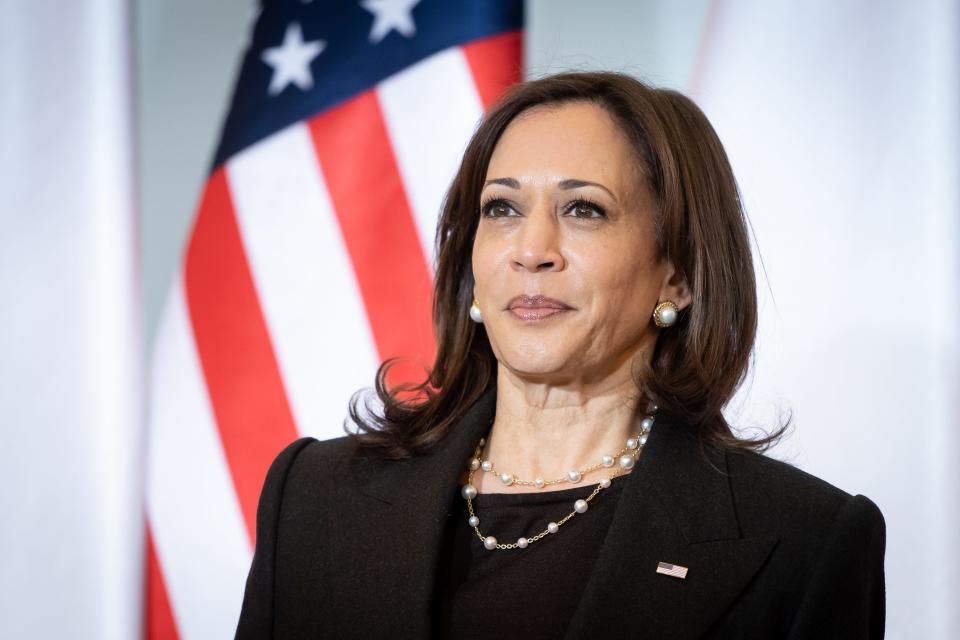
(576, 140)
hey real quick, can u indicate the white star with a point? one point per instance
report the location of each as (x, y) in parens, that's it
(390, 15)
(291, 60)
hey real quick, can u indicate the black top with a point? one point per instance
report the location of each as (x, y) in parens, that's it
(519, 593)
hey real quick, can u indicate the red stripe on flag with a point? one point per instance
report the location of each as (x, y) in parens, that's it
(360, 170)
(159, 622)
(243, 379)
(496, 63)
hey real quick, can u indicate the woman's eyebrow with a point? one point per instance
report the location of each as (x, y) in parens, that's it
(573, 184)
(570, 183)
(507, 182)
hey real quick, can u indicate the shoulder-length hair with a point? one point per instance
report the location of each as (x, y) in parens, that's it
(700, 226)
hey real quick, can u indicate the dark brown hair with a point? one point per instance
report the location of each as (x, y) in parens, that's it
(701, 227)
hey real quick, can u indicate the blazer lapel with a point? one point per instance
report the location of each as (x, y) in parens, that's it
(419, 492)
(675, 508)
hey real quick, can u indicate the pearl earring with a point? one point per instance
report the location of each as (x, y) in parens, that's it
(475, 314)
(665, 315)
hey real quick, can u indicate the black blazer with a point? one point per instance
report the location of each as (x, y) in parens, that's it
(349, 549)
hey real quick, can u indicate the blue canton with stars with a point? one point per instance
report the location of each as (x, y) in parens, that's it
(309, 56)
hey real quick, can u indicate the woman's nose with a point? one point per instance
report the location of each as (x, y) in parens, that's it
(538, 243)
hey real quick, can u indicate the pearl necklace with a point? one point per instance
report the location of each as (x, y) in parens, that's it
(627, 458)
(624, 457)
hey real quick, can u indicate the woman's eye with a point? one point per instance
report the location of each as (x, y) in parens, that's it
(584, 209)
(498, 209)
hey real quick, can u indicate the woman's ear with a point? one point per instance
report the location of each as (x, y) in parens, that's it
(675, 287)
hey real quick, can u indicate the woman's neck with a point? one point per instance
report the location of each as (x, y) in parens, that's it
(544, 430)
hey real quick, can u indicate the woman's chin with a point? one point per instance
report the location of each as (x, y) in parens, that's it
(545, 369)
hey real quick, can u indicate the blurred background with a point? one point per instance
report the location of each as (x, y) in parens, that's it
(841, 123)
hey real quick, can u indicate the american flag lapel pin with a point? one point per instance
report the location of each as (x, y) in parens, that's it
(674, 570)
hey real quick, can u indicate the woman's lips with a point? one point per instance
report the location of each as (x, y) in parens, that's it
(533, 314)
(534, 308)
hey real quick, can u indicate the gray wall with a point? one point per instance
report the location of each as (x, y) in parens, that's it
(188, 55)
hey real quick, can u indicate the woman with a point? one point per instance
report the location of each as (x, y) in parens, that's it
(566, 470)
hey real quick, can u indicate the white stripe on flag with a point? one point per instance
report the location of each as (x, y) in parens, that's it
(201, 539)
(431, 110)
(304, 278)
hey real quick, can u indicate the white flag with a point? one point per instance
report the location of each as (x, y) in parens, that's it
(70, 385)
(840, 119)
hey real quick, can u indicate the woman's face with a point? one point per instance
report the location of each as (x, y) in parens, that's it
(566, 215)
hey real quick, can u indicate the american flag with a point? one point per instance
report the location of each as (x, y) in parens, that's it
(674, 570)
(309, 262)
